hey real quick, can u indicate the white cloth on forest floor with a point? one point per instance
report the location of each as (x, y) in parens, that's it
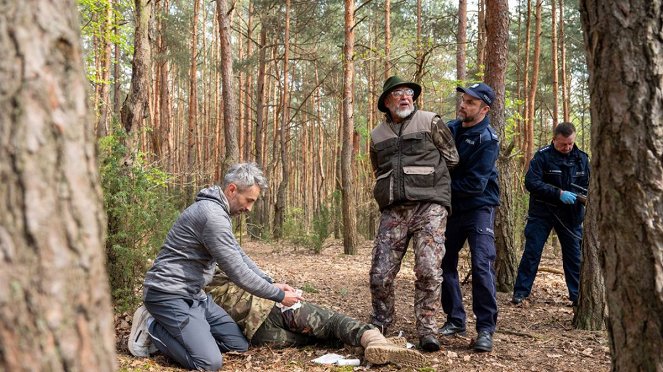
(337, 359)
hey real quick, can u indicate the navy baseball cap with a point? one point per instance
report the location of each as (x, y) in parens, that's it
(480, 91)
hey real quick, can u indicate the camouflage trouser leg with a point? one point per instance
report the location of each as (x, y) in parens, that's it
(428, 244)
(308, 325)
(425, 222)
(390, 245)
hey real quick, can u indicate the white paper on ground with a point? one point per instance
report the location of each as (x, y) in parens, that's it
(328, 359)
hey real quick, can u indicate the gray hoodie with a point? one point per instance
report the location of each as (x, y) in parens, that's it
(201, 238)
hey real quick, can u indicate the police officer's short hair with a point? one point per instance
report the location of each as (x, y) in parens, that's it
(245, 175)
(565, 129)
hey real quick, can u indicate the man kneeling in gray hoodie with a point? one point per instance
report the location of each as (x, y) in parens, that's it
(179, 318)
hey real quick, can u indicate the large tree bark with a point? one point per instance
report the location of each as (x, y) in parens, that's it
(55, 312)
(497, 24)
(625, 58)
(347, 175)
(135, 107)
(590, 314)
(229, 107)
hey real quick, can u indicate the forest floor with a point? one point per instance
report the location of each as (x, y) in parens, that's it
(537, 335)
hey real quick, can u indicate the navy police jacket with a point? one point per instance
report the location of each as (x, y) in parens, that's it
(474, 179)
(551, 171)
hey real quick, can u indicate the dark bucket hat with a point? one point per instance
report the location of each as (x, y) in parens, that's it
(392, 83)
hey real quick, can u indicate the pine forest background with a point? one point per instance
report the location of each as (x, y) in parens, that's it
(180, 89)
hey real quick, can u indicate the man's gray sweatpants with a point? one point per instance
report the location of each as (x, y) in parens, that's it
(192, 332)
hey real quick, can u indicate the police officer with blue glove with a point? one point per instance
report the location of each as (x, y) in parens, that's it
(557, 173)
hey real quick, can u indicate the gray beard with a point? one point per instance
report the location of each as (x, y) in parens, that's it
(404, 113)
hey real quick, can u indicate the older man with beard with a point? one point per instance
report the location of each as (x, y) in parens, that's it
(411, 154)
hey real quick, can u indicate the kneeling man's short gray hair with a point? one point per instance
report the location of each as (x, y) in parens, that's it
(245, 175)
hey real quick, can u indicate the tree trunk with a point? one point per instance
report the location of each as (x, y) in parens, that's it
(553, 53)
(497, 24)
(419, 72)
(481, 37)
(135, 107)
(56, 312)
(229, 109)
(533, 86)
(590, 314)
(116, 67)
(281, 202)
(562, 43)
(528, 125)
(192, 121)
(257, 218)
(387, 39)
(347, 175)
(461, 47)
(248, 84)
(625, 63)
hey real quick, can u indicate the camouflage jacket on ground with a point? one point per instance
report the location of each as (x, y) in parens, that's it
(247, 310)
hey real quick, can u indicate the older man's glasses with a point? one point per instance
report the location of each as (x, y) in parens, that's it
(398, 93)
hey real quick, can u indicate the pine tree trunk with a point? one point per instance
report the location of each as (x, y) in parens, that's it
(193, 104)
(533, 86)
(387, 39)
(103, 105)
(135, 106)
(528, 125)
(625, 63)
(281, 202)
(347, 175)
(229, 107)
(56, 312)
(497, 24)
(257, 218)
(590, 314)
(481, 36)
(461, 47)
(565, 86)
(555, 73)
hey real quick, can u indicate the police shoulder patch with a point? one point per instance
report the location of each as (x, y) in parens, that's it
(544, 148)
(493, 134)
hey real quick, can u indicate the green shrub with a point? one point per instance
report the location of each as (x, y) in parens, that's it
(140, 211)
(321, 228)
(294, 228)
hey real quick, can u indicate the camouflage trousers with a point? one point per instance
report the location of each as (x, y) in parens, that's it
(426, 223)
(307, 325)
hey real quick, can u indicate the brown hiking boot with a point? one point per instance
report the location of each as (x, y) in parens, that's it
(399, 341)
(378, 350)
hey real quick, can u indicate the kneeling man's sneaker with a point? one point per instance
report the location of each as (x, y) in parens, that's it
(140, 342)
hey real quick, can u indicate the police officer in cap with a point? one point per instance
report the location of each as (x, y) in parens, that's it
(474, 196)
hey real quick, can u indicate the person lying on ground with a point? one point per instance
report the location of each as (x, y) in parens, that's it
(264, 322)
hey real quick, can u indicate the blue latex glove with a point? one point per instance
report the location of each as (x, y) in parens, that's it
(567, 197)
